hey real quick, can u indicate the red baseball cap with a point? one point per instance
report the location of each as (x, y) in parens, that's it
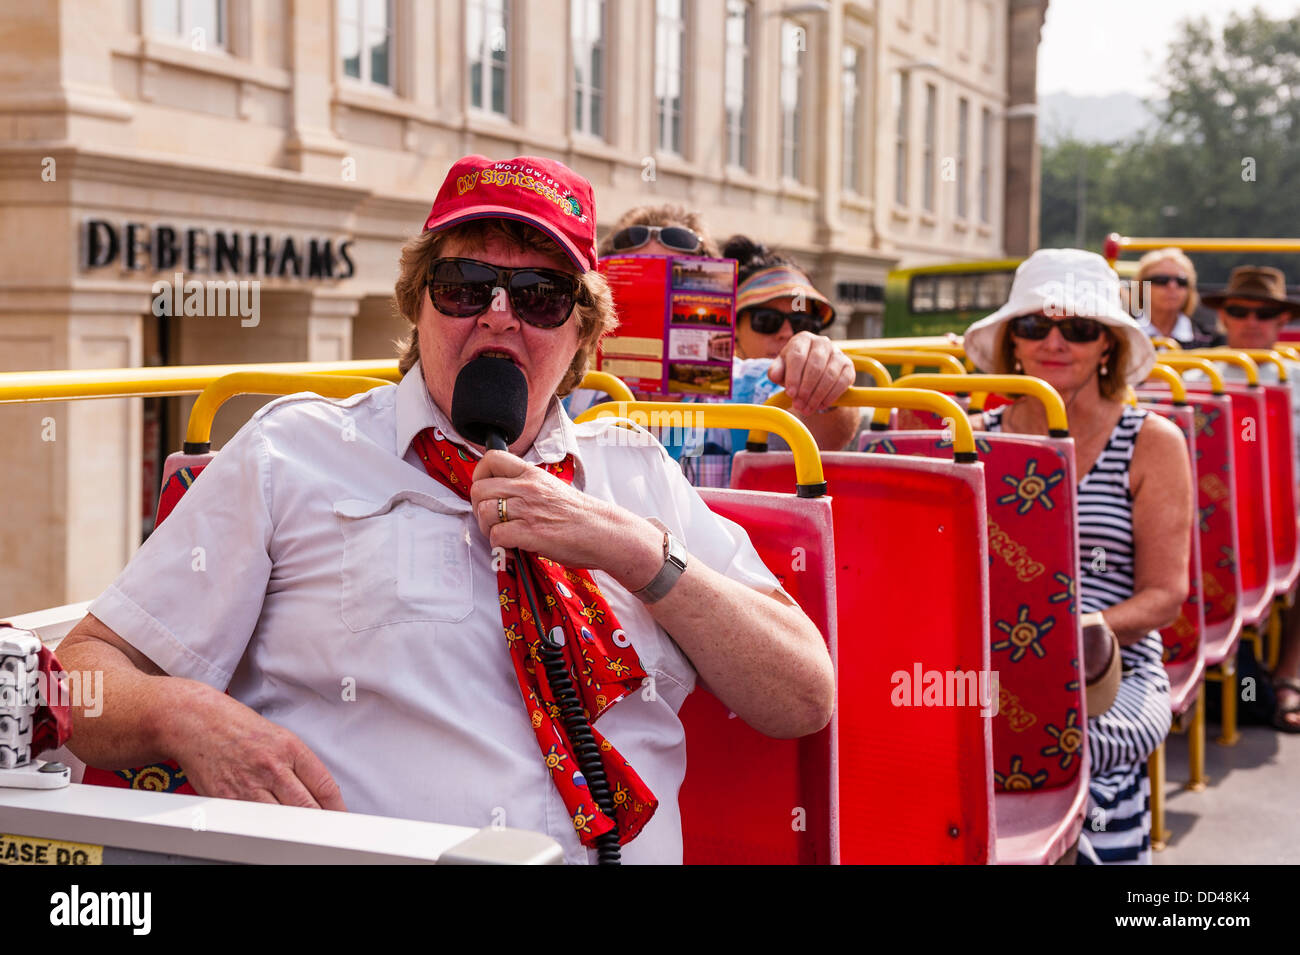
(542, 192)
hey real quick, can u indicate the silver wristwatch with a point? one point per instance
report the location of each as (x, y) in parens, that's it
(674, 565)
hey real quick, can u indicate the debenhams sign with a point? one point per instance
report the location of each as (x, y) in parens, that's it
(136, 247)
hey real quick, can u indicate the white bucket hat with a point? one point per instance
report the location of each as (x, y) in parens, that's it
(1065, 283)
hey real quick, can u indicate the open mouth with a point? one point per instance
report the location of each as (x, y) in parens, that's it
(497, 353)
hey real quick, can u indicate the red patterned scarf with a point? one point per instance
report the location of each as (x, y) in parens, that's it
(601, 660)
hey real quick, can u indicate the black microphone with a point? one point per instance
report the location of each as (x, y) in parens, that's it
(489, 404)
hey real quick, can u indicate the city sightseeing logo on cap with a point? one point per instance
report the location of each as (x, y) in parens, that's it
(530, 179)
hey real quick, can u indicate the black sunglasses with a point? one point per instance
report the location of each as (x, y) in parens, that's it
(673, 237)
(1263, 314)
(1179, 280)
(464, 288)
(768, 321)
(1037, 327)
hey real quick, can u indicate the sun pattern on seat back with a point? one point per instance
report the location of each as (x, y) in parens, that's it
(1038, 732)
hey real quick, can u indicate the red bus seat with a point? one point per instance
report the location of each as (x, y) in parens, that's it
(1184, 655)
(1039, 734)
(911, 573)
(1282, 487)
(787, 811)
(1251, 463)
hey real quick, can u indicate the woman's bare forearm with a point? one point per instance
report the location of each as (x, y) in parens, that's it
(1147, 610)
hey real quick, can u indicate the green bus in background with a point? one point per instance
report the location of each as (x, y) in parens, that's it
(935, 299)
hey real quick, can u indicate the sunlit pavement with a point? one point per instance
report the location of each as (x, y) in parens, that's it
(1250, 811)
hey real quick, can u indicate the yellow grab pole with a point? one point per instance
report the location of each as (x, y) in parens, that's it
(1156, 770)
(199, 431)
(945, 363)
(671, 414)
(612, 385)
(894, 397)
(1230, 356)
(878, 372)
(1196, 780)
(1182, 363)
(1057, 424)
(164, 380)
(1177, 390)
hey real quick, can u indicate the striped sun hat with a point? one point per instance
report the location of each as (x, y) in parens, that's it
(780, 281)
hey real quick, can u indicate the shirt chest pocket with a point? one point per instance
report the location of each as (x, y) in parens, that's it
(405, 560)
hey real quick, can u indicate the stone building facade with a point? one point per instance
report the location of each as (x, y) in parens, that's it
(296, 143)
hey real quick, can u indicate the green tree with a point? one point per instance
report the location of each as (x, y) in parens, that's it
(1220, 161)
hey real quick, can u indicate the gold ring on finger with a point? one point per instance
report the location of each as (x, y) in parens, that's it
(501, 510)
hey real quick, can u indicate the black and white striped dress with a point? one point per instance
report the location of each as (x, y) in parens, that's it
(1118, 823)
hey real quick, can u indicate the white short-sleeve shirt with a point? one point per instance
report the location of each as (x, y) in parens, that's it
(319, 575)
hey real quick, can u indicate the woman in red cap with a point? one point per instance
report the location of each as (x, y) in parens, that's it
(361, 633)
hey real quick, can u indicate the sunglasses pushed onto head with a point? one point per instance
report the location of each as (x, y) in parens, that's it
(466, 288)
(1035, 328)
(675, 237)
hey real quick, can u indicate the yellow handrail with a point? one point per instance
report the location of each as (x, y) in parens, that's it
(907, 357)
(199, 430)
(1168, 344)
(963, 444)
(1230, 356)
(670, 414)
(939, 343)
(164, 380)
(1058, 425)
(1148, 244)
(612, 385)
(1290, 351)
(878, 372)
(1177, 390)
(1257, 355)
(1181, 363)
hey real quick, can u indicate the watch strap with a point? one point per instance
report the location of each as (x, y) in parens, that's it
(674, 566)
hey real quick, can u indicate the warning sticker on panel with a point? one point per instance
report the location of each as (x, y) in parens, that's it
(29, 850)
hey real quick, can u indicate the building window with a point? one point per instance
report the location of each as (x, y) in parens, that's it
(588, 31)
(736, 84)
(366, 40)
(851, 100)
(901, 108)
(963, 140)
(793, 43)
(486, 42)
(986, 161)
(927, 167)
(199, 23)
(670, 42)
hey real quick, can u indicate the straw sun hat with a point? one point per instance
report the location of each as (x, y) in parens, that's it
(1064, 283)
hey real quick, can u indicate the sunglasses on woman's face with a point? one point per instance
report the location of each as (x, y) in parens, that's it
(465, 288)
(768, 321)
(1162, 280)
(673, 237)
(1037, 327)
(1263, 314)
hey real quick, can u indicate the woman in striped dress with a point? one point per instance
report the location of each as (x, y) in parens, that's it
(1064, 323)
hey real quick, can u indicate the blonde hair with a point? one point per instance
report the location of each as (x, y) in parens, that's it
(662, 215)
(1148, 263)
(594, 309)
(1111, 385)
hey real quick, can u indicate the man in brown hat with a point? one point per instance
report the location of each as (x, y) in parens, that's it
(1253, 309)
(1254, 306)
